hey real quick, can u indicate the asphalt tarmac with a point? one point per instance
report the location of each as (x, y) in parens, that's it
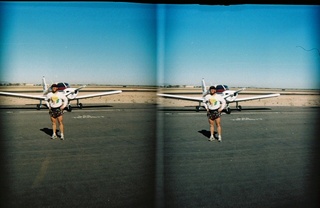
(138, 155)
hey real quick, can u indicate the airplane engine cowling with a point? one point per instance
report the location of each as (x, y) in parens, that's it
(71, 96)
(230, 99)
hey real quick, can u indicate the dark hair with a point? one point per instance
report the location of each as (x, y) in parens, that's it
(54, 85)
(212, 87)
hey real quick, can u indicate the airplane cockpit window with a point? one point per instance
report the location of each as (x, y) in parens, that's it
(220, 88)
(62, 85)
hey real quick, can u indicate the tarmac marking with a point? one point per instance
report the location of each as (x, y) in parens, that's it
(246, 119)
(41, 174)
(87, 116)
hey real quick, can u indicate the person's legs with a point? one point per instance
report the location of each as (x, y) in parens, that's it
(211, 123)
(218, 123)
(54, 127)
(61, 127)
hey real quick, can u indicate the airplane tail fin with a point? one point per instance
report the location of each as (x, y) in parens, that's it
(203, 87)
(44, 86)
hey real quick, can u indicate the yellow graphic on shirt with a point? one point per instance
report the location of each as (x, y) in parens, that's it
(55, 99)
(213, 101)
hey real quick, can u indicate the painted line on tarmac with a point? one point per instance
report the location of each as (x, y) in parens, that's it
(246, 119)
(87, 117)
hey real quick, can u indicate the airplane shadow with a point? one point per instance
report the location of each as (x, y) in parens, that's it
(207, 133)
(192, 109)
(33, 107)
(94, 106)
(18, 107)
(185, 108)
(253, 108)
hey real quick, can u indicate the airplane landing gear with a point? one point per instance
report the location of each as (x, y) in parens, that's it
(79, 104)
(228, 110)
(198, 107)
(69, 108)
(239, 108)
(39, 105)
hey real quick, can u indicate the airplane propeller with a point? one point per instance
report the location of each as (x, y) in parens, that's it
(234, 94)
(75, 91)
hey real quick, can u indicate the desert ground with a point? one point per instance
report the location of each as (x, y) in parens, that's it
(148, 95)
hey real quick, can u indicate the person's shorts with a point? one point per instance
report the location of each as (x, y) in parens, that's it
(213, 114)
(55, 112)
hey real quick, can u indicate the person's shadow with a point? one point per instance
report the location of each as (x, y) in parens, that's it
(207, 133)
(48, 131)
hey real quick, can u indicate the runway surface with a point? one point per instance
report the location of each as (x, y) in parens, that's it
(138, 155)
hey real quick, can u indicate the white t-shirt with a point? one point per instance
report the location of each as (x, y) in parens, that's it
(55, 100)
(214, 102)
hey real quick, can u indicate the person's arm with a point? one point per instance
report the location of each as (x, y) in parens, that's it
(223, 104)
(47, 102)
(206, 106)
(65, 101)
(206, 103)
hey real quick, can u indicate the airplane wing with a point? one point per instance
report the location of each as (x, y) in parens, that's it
(35, 97)
(97, 94)
(255, 98)
(197, 99)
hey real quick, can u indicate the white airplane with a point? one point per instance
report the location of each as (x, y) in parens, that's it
(70, 93)
(229, 95)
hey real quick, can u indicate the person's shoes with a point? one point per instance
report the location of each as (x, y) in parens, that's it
(54, 136)
(211, 138)
(62, 137)
(219, 138)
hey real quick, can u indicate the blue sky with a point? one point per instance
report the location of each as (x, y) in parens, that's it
(147, 44)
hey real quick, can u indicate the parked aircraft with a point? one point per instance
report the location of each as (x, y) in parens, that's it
(229, 95)
(70, 93)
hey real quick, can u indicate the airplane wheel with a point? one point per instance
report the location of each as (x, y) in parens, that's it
(239, 108)
(69, 108)
(80, 105)
(38, 107)
(228, 110)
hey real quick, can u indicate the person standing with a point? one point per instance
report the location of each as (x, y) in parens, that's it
(56, 102)
(214, 105)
